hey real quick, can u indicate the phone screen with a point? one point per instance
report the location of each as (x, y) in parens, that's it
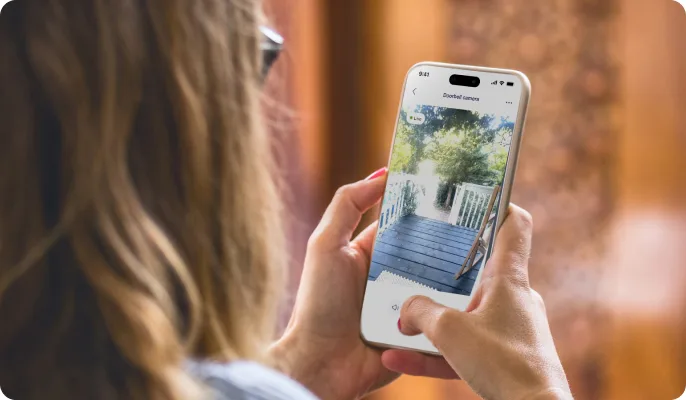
(440, 209)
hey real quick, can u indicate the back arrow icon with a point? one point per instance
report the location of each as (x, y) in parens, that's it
(414, 91)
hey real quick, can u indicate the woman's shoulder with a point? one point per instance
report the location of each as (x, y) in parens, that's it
(244, 380)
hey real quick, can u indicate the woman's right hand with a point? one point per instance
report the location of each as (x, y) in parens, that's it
(501, 345)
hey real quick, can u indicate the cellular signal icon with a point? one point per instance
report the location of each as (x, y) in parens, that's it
(494, 83)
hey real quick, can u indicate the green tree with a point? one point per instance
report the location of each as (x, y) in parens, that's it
(499, 149)
(418, 135)
(461, 142)
(460, 158)
(460, 149)
(498, 163)
(412, 139)
(402, 155)
(477, 126)
(403, 147)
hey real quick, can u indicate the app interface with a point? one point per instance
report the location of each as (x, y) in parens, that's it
(445, 180)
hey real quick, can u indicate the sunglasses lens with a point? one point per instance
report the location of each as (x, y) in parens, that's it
(272, 43)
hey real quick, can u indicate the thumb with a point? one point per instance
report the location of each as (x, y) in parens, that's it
(346, 209)
(437, 322)
(512, 248)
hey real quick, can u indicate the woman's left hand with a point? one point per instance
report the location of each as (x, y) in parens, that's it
(321, 347)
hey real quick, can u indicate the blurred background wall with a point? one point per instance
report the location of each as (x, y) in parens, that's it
(602, 168)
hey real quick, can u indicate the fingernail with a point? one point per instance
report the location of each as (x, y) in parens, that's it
(381, 172)
(400, 327)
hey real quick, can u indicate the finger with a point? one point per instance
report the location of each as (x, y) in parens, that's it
(365, 240)
(346, 209)
(417, 364)
(420, 314)
(513, 247)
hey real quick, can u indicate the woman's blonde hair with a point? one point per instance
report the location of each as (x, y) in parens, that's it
(138, 217)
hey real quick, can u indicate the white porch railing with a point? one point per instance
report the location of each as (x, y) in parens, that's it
(469, 206)
(394, 203)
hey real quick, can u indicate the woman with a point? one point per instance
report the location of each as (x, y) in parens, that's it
(141, 255)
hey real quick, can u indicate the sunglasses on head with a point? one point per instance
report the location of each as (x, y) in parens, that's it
(271, 46)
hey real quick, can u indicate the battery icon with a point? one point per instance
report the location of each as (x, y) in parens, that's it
(510, 83)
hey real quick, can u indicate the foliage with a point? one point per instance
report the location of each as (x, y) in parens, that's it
(444, 190)
(411, 140)
(411, 195)
(497, 164)
(410, 144)
(402, 151)
(504, 132)
(466, 146)
(460, 158)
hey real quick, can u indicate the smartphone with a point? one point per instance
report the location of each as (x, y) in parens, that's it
(452, 164)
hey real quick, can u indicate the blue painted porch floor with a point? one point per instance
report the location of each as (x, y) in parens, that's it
(426, 251)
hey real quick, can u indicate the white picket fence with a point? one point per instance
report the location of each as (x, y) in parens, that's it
(469, 205)
(393, 206)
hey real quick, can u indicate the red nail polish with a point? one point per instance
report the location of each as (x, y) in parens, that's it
(400, 328)
(381, 172)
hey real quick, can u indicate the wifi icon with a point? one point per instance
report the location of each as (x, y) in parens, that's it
(502, 83)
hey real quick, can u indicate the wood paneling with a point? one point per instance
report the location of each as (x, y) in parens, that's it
(646, 274)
